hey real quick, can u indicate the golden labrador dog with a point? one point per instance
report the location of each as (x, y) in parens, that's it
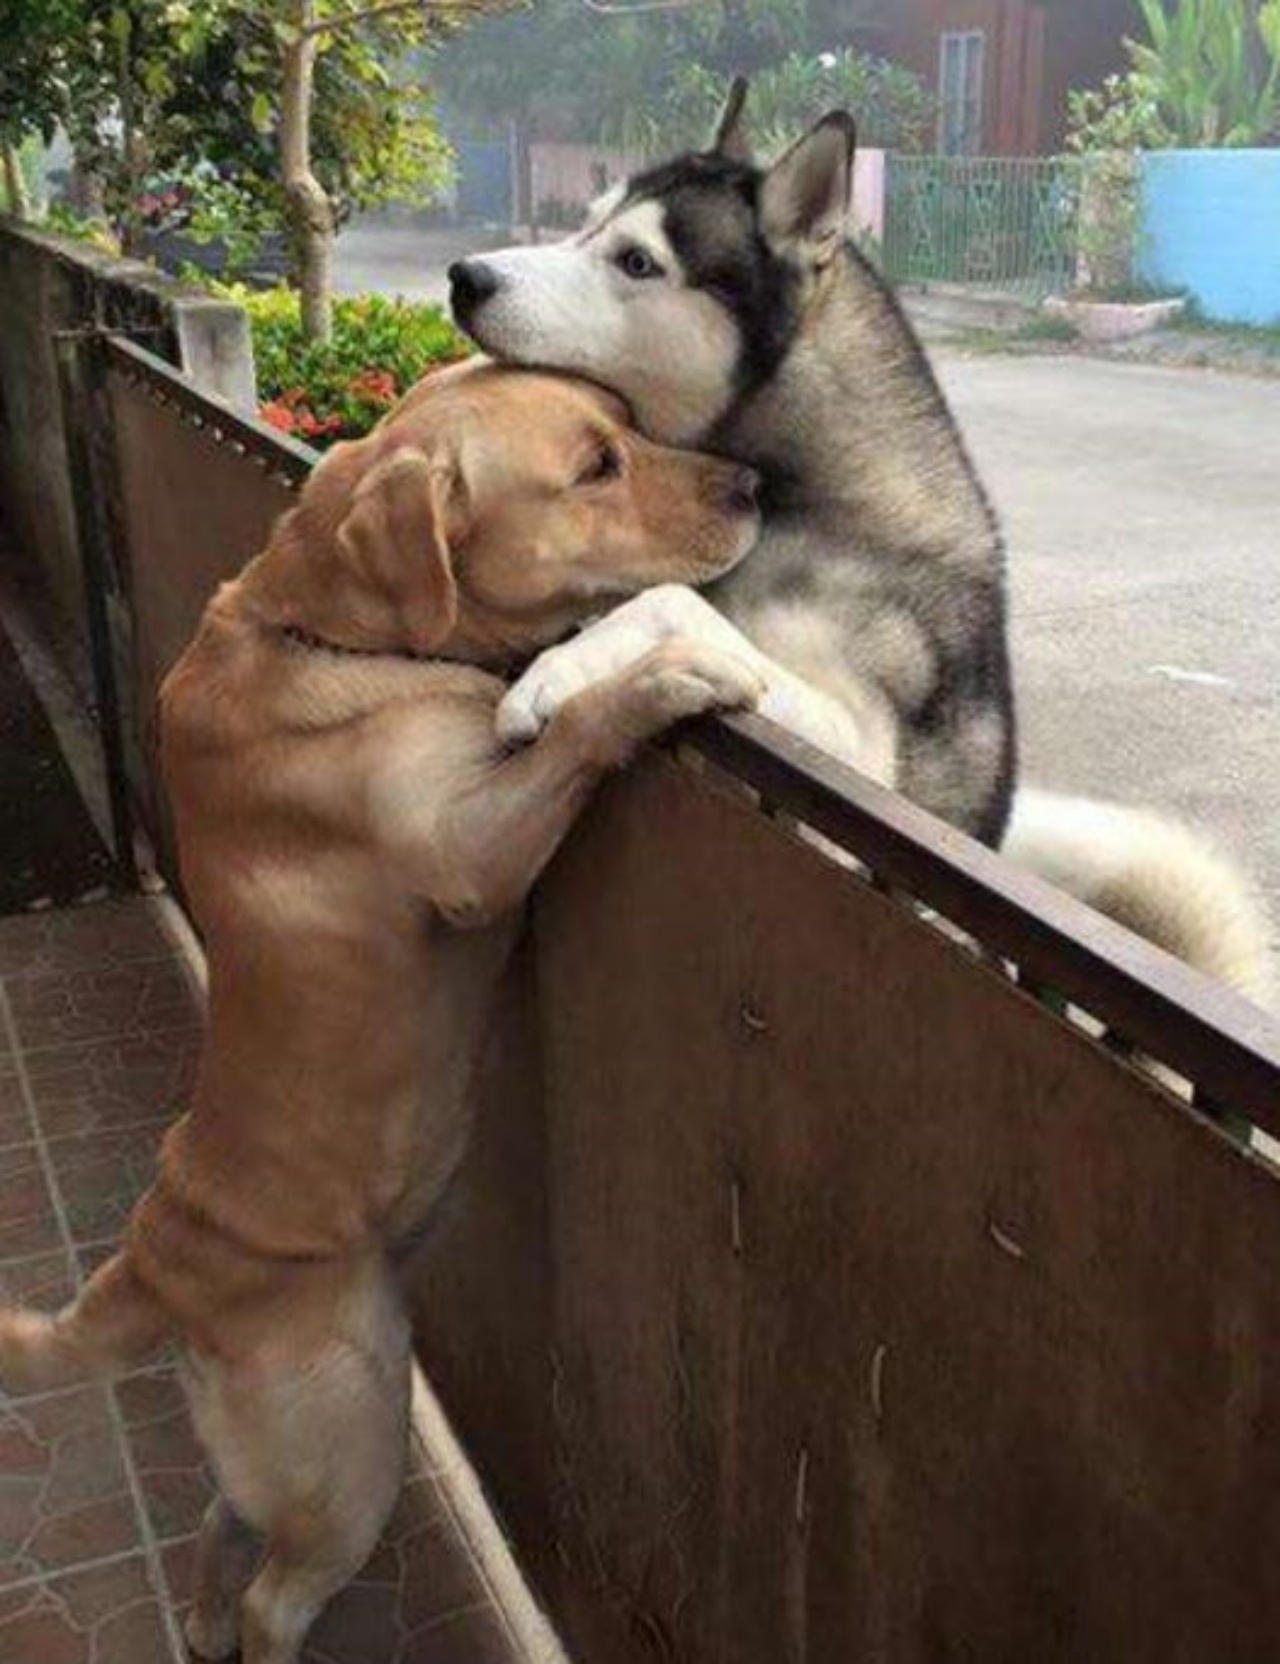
(356, 844)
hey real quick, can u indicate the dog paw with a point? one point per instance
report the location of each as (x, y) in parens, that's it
(530, 703)
(689, 678)
(558, 675)
(212, 1633)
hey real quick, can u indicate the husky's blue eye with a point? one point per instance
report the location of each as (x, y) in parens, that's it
(638, 263)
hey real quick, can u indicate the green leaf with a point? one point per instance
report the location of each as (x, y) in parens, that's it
(156, 79)
(262, 113)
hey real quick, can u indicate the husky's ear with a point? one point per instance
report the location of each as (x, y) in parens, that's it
(805, 196)
(394, 542)
(730, 139)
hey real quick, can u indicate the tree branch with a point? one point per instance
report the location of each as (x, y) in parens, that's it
(388, 8)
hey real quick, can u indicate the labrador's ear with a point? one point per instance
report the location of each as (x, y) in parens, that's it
(394, 538)
(805, 197)
(730, 138)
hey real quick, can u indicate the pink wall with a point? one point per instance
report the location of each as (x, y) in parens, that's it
(571, 173)
(868, 193)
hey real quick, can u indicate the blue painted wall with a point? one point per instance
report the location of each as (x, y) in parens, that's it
(1211, 226)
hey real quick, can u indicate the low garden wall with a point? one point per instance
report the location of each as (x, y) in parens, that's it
(1211, 227)
(50, 285)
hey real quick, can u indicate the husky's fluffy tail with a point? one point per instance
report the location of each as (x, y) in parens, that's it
(1158, 878)
(114, 1324)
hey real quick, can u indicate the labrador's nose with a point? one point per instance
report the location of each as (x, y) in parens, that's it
(471, 283)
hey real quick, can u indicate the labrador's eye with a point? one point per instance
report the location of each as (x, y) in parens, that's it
(604, 466)
(636, 262)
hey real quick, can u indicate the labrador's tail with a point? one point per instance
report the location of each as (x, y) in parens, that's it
(1161, 880)
(113, 1324)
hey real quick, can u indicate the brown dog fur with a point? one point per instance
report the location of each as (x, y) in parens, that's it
(356, 845)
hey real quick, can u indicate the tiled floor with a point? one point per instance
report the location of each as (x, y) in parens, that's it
(102, 1488)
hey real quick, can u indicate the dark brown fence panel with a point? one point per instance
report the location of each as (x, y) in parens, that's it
(813, 1293)
(197, 491)
(889, 1317)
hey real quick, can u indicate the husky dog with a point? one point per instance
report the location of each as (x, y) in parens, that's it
(728, 306)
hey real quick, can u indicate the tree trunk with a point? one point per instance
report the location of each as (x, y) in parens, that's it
(310, 213)
(85, 191)
(131, 149)
(524, 208)
(15, 184)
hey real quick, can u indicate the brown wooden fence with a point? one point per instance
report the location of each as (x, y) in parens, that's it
(823, 1287)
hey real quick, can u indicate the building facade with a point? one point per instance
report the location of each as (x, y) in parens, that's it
(1001, 69)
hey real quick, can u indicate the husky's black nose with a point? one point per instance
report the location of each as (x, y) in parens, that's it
(471, 283)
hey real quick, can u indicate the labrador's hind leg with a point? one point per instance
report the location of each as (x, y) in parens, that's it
(227, 1555)
(312, 1457)
(337, 1466)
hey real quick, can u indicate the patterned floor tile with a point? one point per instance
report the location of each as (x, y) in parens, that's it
(15, 1121)
(170, 1464)
(64, 1494)
(115, 1003)
(102, 1615)
(82, 938)
(100, 1177)
(112, 1083)
(41, 1280)
(476, 1637)
(28, 1223)
(420, 1580)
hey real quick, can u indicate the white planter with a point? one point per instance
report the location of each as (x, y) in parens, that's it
(1113, 320)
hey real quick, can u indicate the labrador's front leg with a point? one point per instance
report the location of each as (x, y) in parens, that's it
(497, 836)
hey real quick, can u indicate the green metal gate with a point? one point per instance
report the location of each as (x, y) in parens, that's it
(1007, 224)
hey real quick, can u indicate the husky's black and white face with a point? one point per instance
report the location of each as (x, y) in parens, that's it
(686, 286)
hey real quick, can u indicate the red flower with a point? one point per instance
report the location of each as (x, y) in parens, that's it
(278, 415)
(312, 426)
(375, 386)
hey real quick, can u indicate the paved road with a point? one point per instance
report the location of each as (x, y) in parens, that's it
(401, 258)
(1143, 512)
(1142, 507)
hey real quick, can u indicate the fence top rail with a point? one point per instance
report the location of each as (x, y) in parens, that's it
(1228, 1048)
(285, 456)
(938, 161)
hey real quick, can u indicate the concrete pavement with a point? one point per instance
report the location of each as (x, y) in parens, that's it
(397, 256)
(1142, 507)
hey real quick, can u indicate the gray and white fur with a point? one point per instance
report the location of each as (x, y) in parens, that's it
(728, 305)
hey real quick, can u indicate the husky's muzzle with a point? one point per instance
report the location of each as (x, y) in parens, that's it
(471, 283)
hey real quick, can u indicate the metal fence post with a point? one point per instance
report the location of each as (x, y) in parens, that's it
(86, 419)
(1001, 224)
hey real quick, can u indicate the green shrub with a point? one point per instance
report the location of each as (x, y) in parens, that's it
(65, 222)
(342, 388)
